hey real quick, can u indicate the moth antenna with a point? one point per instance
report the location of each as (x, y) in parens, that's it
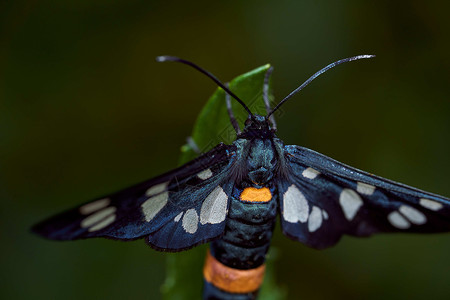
(165, 58)
(304, 84)
(233, 120)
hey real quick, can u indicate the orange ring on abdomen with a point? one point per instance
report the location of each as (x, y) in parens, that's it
(232, 280)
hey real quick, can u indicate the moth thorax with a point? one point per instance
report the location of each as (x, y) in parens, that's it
(261, 161)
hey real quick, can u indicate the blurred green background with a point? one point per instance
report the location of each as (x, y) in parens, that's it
(85, 110)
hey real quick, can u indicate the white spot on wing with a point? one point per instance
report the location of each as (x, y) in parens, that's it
(325, 214)
(413, 215)
(98, 216)
(295, 206)
(157, 189)
(205, 174)
(214, 208)
(350, 202)
(102, 224)
(430, 204)
(397, 220)
(364, 188)
(94, 206)
(310, 173)
(190, 221)
(178, 217)
(315, 219)
(154, 205)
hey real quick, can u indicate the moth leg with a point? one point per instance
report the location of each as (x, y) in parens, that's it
(266, 96)
(191, 143)
(230, 113)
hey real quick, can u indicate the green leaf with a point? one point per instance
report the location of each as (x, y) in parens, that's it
(213, 123)
(184, 279)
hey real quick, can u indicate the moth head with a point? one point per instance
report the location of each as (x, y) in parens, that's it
(257, 126)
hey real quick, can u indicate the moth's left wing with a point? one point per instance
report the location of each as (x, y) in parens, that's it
(177, 210)
(321, 199)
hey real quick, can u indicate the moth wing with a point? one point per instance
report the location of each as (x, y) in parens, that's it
(162, 208)
(322, 199)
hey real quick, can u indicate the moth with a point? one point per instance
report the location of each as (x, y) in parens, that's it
(232, 195)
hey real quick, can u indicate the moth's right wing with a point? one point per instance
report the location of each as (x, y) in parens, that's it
(323, 199)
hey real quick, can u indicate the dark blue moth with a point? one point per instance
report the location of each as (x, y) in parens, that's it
(232, 195)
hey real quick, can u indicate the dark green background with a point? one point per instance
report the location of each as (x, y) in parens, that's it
(85, 110)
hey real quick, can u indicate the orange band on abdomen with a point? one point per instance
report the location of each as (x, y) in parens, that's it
(232, 280)
(252, 194)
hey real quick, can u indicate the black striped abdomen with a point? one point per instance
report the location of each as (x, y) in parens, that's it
(234, 268)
